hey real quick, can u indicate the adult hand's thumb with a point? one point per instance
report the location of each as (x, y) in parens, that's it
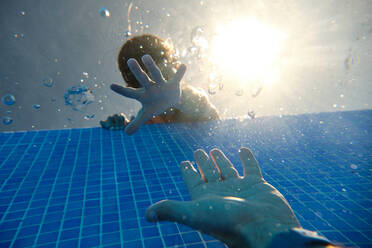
(168, 210)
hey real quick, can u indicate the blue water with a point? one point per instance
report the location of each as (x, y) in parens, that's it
(91, 187)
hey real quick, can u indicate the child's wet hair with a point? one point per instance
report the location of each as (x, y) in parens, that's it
(136, 47)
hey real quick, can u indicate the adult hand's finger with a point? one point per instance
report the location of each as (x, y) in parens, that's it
(140, 75)
(207, 169)
(250, 164)
(223, 163)
(127, 91)
(190, 176)
(153, 69)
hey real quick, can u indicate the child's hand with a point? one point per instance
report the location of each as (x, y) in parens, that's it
(116, 122)
(156, 96)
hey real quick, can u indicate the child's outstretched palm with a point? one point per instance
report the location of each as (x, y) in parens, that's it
(156, 94)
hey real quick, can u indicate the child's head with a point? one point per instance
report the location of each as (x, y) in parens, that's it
(140, 45)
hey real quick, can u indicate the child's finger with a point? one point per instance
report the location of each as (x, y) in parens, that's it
(137, 122)
(127, 91)
(153, 69)
(140, 75)
(179, 74)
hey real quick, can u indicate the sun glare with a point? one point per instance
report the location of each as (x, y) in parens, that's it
(248, 49)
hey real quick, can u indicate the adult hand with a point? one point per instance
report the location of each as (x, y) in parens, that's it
(156, 94)
(240, 211)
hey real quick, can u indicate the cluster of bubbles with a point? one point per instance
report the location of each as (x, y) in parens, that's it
(198, 41)
(78, 97)
(18, 35)
(215, 83)
(8, 100)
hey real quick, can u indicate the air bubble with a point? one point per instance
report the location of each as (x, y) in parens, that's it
(127, 34)
(212, 89)
(48, 82)
(104, 12)
(256, 92)
(353, 166)
(197, 35)
(7, 120)
(89, 117)
(239, 92)
(36, 106)
(251, 114)
(8, 99)
(193, 50)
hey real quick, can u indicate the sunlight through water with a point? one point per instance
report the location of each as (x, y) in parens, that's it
(248, 49)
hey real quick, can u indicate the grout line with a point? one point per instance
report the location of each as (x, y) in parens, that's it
(85, 190)
(70, 184)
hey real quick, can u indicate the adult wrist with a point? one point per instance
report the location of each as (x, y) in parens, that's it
(298, 237)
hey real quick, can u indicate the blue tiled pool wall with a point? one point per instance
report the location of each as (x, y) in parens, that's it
(90, 187)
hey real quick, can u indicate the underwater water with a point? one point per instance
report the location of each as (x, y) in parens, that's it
(290, 79)
(90, 187)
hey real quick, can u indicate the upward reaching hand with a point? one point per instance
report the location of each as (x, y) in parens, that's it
(157, 94)
(240, 211)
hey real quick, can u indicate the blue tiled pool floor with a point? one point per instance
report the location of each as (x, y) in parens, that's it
(91, 187)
